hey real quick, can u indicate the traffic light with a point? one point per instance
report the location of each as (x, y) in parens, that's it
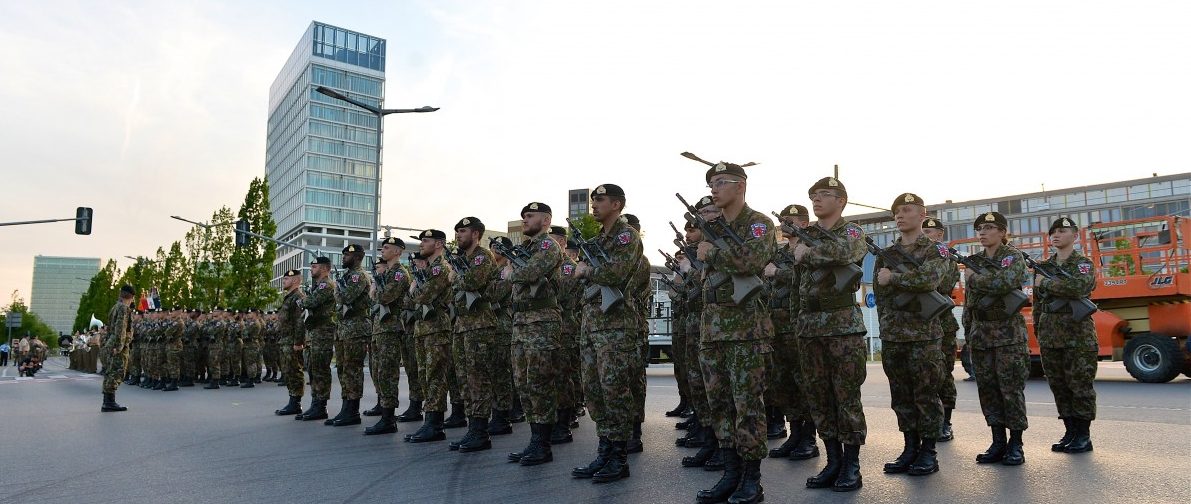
(82, 220)
(241, 232)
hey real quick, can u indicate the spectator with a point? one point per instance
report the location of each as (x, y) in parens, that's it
(30, 366)
(4, 348)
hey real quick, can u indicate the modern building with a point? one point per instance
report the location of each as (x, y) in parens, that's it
(514, 233)
(578, 203)
(321, 155)
(58, 284)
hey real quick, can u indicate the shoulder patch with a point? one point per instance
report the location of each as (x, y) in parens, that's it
(322, 285)
(479, 259)
(356, 278)
(398, 276)
(624, 238)
(436, 270)
(568, 269)
(1085, 268)
(546, 243)
(1007, 261)
(943, 252)
(853, 232)
(758, 229)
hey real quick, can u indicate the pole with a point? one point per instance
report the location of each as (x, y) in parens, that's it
(372, 246)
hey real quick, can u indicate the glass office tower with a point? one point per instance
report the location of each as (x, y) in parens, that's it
(58, 284)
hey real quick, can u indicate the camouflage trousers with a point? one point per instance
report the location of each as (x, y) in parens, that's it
(611, 360)
(385, 367)
(409, 359)
(946, 369)
(372, 363)
(786, 388)
(250, 359)
(502, 371)
(321, 353)
(913, 371)
(292, 368)
(457, 371)
(434, 362)
(1071, 373)
(349, 366)
(570, 379)
(678, 357)
(173, 359)
(1001, 374)
(114, 366)
(640, 387)
(215, 360)
(232, 351)
(535, 370)
(188, 361)
(834, 369)
(479, 352)
(734, 374)
(200, 360)
(694, 378)
(271, 356)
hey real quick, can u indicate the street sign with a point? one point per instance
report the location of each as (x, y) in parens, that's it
(12, 319)
(870, 300)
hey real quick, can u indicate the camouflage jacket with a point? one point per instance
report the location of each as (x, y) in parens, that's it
(902, 325)
(357, 285)
(783, 292)
(824, 311)
(570, 297)
(174, 331)
(545, 261)
(119, 328)
(624, 248)
(722, 319)
(392, 293)
(190, 332)
(1056, 328)
(435, 295)
(319, 303)
(500, 297)
(252, 328)
(947, 322)
(474, 279)
(991, 328)
(693, 297)
(289, 319)
(642, 292)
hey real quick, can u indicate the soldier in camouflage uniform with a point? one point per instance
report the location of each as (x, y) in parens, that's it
(949, 326)
(291, 339)
(174, 329)
(270, 352)
(134, 349)
(641, 290)
(387, 330)
(736, 338)
(678, 337)
(115, 348)
(212, 332)
(1069, 347)
(500, 296)
(702, 434)
(432, 297)
(352, 335)
(475, 327)
(999, 353)
(610, 347)
(411, 348)
(190, 336)
(252, 328)
(537, 331)
(569, 372)
(832, 330)
(233, 348)
(319, 306)
(148, 328)
(786, 383)
(200, 346)
(909, 343)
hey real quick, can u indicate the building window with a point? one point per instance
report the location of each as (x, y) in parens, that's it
(1116, 195)
(1096, 198)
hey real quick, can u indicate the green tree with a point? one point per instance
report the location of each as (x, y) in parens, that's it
(212, 275)
(100, 296)
(1122, 263)
(30, 323)
(588, 226)
(176, 277)
(252, 264)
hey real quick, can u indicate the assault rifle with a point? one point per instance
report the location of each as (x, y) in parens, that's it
(930, 304)
(1081, 308)
(595, 256)
(744, 287)
(1012, 302)
(842, 278)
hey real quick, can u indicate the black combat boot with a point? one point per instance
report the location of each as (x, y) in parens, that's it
(687, 424)
(374, 411)
(694, 434)
(212, 384)
(186, 382)
(806, 449)
(316, 411)
(338, 416)
(351, 413)
(517, 414)
(171, 385)
(602, 452)
(716, 462)
(849, 478)
(281, 380)
(728, 483)
(1081, 440)
(386, 425)
(293, 407)
(467, 437)
(776, 425)
(996, 451)
(129, 380)
(927, 461)
(110, 404)
(457, 418)
(704, 454)
(560, 432)
(790, 443)
(634, 443)
(1068, 434)
(247, 383)
(232, 381)
(617, 466)
(749, 491)
(1015, 451)
(835, 459)
(678, 410)
(500, 425)
(256, 379)
(947, 434)
(909, 454)
(159, 384)
(538, 451)
(411, 414)
(480, 440)
(431, 430)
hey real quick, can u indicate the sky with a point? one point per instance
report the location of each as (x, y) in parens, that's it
(146, 109)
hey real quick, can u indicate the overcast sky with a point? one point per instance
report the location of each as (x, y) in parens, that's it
(146, 109)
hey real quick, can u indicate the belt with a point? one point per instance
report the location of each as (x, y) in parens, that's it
(533, 304)
(990, 316)
(826, 303)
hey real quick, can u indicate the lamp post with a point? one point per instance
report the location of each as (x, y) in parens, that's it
(380, 114)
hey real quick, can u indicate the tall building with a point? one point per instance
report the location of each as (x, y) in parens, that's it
(578, 203)
(58, 283)
(321, 156)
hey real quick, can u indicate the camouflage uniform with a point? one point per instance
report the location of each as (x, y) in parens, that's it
(387, 333)
(433, 333)
(693, 297)
(251, 358)
(910, 345)
(174, 330)
(477, 329)
(115, 346)
(1069, 347)
(1000, 357)
(200, 345)
(290, 332)
(190, 358)
(213, 333)
(354, 332)
(320, 336)
(949, 327)
(270, 352)
(570, 297)
(786, 389)
(640, 294)
(233, 347)
(678, 339)
(410, 349)
(500, 296)
(537, 330)
(832, 331)
(736, 339)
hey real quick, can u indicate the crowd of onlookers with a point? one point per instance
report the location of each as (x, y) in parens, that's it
(27, 354)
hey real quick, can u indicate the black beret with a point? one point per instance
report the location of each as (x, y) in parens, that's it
(558, 231)
(432, 234)
(292, 273)
(688, 225)
(632, 221)
(932, 223)
(572, 245)
(680, 252)
(1062, 222)
(794, 211)
(536, 207)
(393, 240)
(831, 183)
(722, 168)
(607, 190)
(990, 218)
(127, 289)
(470, 223)
(704, 202)
(504, 240)
(907, 199)
(353, 249)
(320, 260)
(414, 255)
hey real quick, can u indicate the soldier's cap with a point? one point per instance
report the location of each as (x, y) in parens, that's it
(722, 168)
(990, 218)
(632, 220)
(321, 260)
(830, 183)
(414, 255)
(353, 249)
(292, 273)
(127, 289)
(536, 207)
(558, 231)
(431, 234)
(680, 253)
(932, 223)
(607, 190)
(688, 226)
(1062, 222)
(504, 240)
(907, 199)
(393, 240)
(794, 211)
(470, 223)
(704, 202)
(572, 245)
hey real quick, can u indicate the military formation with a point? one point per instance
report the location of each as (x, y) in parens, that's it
(767, 330)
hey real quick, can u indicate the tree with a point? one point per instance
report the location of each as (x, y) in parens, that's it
(176, 277)
(588, 226)
(30, 322)
(100, 296)
(252, 264)
(1122, 262)
(212, 274)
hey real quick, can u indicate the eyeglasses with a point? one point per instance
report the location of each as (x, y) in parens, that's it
(716, 184)
(987, 227)
(818, 195)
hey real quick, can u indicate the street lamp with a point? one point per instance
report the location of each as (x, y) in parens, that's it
(380, 114)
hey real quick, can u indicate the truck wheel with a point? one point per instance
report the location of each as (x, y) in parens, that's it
(1153, 358)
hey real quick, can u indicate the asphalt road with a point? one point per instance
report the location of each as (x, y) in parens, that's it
(226, 445)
